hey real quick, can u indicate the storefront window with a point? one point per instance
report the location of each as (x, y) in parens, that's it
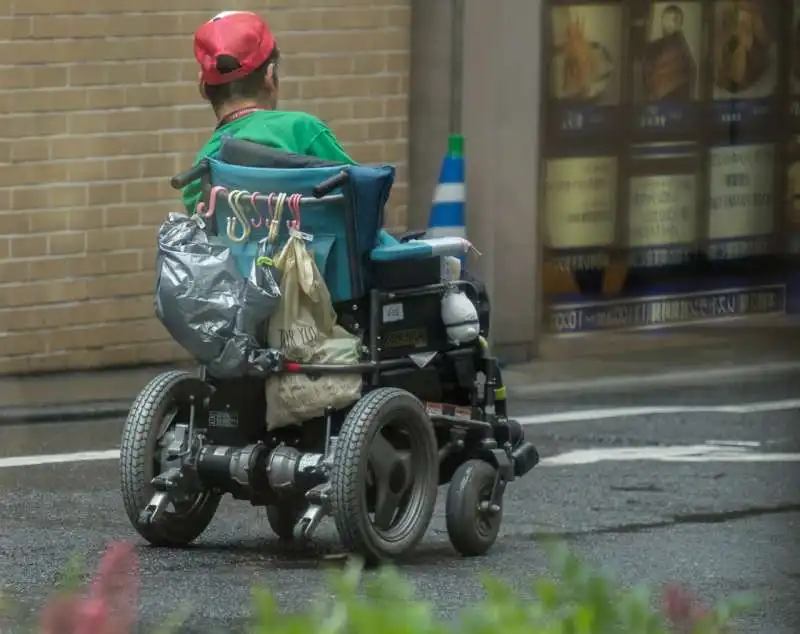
(665, 146)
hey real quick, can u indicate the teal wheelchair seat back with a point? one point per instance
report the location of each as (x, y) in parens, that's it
(344, 223)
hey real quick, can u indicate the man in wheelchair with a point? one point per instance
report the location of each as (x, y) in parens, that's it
(238, 57)
(189, 439)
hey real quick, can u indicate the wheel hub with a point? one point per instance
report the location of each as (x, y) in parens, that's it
(176, 491)
(390, 480)
(486, 511)
(398, 478)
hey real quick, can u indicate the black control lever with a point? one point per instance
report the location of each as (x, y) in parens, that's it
(334, 182)
(182, 180)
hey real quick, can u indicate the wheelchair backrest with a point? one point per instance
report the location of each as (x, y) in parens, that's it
(344, 224)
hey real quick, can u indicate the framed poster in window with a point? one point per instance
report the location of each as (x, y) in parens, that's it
(580, 202)
(744, 58)
(741, 215)
(585, 67)
(662, 219)
(667, 51)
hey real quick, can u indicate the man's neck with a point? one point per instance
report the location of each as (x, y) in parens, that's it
(228, 109)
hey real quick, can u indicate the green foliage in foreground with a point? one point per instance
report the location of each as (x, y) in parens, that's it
(577, 600)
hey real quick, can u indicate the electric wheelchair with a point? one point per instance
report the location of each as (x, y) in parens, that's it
(426, 417)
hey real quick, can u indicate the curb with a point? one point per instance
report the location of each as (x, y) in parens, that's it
(69, 413)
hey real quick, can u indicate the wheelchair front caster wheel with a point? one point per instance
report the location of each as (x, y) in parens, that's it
(472, 521)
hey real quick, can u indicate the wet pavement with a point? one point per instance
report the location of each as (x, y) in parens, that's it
(724, 525)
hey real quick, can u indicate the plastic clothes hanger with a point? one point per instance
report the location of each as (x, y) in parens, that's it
(280, 202)
(212, 202)
(256, 224)
(294, 207)
(295, 200)
(234, 198)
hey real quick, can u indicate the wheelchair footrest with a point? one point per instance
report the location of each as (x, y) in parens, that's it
(526, 457)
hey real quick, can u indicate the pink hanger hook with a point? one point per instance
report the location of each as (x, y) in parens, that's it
(297, 203)
(294, 207)
(212, 206)
(255, 224)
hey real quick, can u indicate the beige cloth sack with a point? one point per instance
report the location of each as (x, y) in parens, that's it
(305, 330)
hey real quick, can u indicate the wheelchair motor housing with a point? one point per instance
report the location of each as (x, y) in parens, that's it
(426, 418)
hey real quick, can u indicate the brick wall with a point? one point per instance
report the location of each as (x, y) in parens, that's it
(99, 107)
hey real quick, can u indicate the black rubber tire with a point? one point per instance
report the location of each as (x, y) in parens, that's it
(137, 451)
(349, 473)
(283, 518)
(467, 490)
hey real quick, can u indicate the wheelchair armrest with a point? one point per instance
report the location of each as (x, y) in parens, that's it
(401, 251)
(412, 235)
(418, 249)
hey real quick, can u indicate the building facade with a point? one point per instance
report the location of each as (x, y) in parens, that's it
(638, 158)
(630, 163)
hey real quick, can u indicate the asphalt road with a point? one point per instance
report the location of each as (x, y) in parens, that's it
(722, 525)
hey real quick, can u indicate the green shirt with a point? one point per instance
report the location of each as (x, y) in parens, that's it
(297, 132)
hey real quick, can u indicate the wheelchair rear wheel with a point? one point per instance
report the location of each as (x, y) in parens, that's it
(471, 525)
(161, 405)
(385, 475)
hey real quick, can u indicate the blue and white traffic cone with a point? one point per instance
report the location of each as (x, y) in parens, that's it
(447, 213)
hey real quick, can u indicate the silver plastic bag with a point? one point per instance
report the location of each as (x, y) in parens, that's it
(216, 314)
(261, 295)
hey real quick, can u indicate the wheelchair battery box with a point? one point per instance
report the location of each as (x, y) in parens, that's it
(424, 383)
(237, 411)
(411, 325)
(407, 273)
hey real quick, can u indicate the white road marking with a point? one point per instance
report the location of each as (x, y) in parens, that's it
(577, 416)
(686, 453)
(58, 458)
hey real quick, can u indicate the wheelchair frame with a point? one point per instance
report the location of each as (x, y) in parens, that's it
(267, 468)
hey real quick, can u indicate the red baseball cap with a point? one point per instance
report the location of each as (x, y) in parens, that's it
(242, 35)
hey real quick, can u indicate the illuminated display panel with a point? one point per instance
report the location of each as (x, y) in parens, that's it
(664, 150)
